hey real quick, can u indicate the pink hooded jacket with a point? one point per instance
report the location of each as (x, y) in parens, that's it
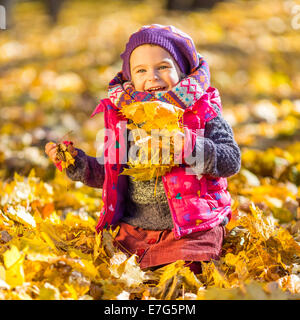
(195, 204)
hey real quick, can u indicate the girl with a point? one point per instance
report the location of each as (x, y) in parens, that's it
(185, 218)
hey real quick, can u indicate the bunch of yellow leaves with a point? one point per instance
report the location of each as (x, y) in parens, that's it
(64, 155)
(154, 127)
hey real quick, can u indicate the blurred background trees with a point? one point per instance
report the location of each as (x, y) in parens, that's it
(53, 7)
(57, 57)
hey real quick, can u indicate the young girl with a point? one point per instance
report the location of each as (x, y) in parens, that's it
(185, 218)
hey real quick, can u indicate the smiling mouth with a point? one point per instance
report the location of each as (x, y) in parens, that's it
(154, 89)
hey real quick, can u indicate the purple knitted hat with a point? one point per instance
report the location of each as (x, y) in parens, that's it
(180, 46)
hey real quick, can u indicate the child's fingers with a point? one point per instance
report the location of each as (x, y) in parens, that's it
(53, 155)
(51, 151)
(50, 146)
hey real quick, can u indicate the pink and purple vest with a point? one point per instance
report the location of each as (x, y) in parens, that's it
(195, 204)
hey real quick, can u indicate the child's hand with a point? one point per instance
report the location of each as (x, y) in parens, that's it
(51, 151)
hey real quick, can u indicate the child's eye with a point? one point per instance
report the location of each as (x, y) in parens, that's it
(141, 70)
(163, 67)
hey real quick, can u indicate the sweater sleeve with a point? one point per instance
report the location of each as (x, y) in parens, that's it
(88, 170)
(222, 155)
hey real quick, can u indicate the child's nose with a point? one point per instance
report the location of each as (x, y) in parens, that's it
(153, 75)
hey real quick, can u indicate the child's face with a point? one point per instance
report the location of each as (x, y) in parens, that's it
(153, 69)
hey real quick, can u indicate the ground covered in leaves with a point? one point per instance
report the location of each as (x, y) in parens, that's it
(51, 79)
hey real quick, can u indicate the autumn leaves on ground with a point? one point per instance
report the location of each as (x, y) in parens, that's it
(51, 79)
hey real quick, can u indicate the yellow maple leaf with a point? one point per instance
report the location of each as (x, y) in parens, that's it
(13, 262)
(127, 269)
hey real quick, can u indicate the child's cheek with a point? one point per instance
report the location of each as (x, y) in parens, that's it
(174, 78)
(138, 84)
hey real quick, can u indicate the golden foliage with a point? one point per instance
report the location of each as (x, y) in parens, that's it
(64, 155)
(155, 156)
(63, 258)
(48, 245)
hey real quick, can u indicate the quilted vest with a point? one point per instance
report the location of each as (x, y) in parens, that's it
(196, 203)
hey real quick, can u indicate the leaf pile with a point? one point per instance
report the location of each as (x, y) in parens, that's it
(46, 256)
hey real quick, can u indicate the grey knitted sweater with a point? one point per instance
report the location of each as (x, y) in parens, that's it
(222, 158)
